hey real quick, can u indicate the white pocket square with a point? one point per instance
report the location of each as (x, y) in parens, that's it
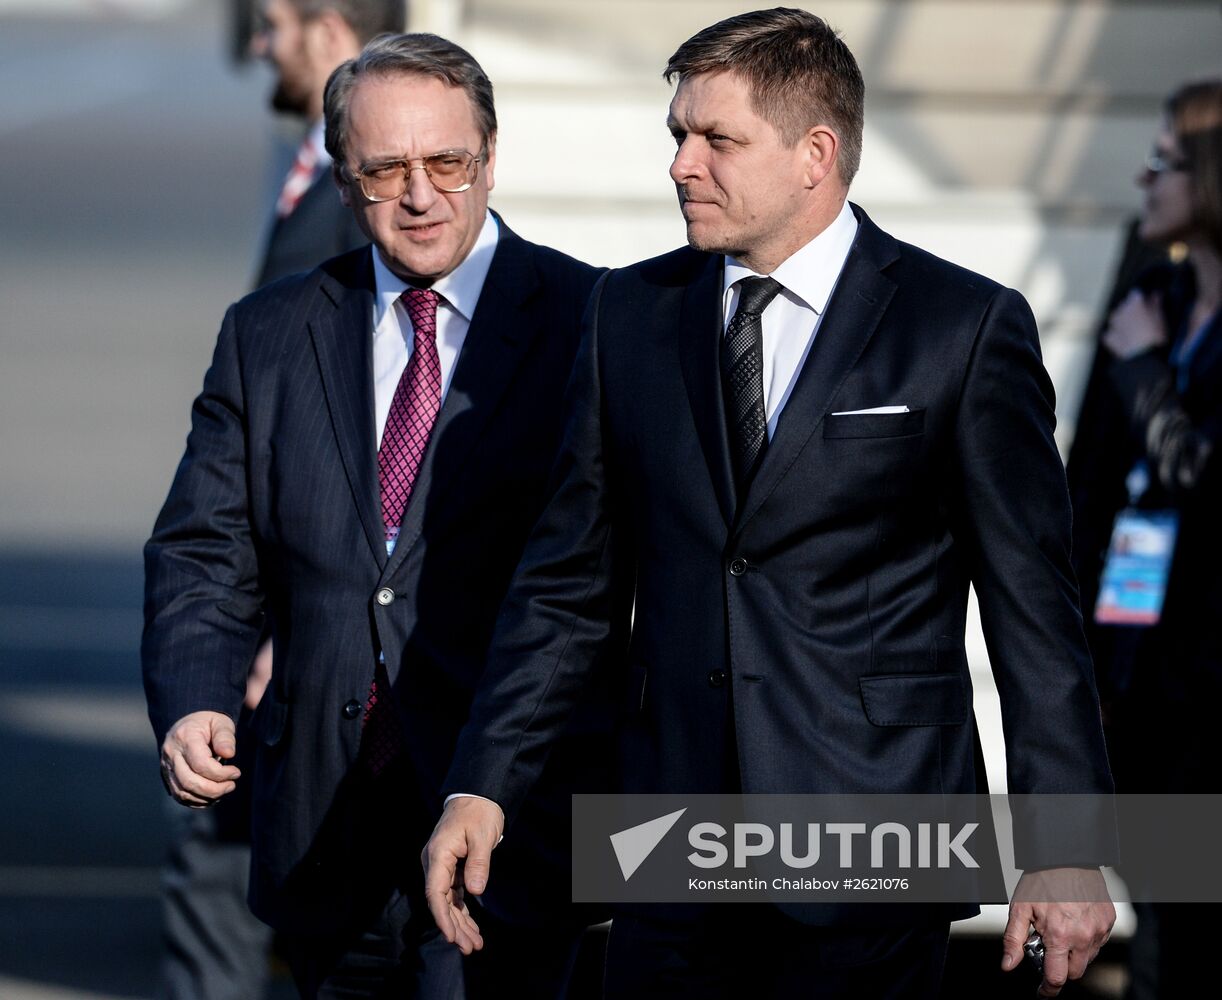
(872, 409)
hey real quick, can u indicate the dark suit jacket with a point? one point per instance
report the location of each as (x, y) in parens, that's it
(275, 506)
(319, 227)
(822, 614)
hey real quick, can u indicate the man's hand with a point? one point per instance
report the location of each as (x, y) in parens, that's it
(457, 857)
(192, 755)
(1075, 925)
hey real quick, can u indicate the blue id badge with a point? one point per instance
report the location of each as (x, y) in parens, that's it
(1134, 580)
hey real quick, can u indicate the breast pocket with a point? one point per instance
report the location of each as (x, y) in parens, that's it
(872, 460)
(874, 425)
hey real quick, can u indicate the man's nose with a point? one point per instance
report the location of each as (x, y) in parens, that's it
(419, 193)
(685, 165)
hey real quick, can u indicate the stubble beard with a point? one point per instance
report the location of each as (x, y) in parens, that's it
(284, 101)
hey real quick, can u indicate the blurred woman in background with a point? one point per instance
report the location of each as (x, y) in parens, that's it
(1145, 478)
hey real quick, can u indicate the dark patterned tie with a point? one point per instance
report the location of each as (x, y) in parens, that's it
(413, 411)
(742, 378)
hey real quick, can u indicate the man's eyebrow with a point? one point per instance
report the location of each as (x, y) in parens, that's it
(697, 128)
(403, 157)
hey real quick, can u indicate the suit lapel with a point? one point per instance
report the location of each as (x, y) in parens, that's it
(343, 343)
(496, 342)
(699, 339)
(853, 312)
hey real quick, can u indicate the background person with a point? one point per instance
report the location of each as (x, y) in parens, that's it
(1148, 441)
(304, 40)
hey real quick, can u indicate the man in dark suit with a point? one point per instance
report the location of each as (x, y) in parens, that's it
(303, 41)
(367, 456)
(800, 440)
(214, 948)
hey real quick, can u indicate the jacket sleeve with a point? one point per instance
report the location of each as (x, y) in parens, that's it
(558, 614)
(202, 604)
(1014, 516)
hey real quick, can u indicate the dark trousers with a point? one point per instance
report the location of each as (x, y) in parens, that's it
(403, 957)
(735, 951)
(527, 961)
(215, 948)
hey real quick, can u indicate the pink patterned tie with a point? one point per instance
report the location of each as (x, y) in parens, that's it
(413, 411)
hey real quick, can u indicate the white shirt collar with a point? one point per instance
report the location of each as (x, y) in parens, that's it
(810, 273)
(460, 288)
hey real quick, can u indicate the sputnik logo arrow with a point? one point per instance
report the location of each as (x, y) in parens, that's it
(634, 845)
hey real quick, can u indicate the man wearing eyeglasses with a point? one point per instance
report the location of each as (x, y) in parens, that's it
(213, 947)
(367, 456)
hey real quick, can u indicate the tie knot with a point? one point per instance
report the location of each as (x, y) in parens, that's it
(754, 294)
(421, 306)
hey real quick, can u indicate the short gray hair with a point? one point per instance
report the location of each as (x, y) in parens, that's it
(417, 54)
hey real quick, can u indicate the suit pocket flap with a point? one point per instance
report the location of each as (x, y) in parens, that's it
(914, 699)
(872, 425)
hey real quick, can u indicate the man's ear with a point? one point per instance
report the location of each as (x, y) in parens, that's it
(822, 150)
(490, 162)
(329, 40)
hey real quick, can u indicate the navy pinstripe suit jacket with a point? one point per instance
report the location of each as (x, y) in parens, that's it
(275, 510)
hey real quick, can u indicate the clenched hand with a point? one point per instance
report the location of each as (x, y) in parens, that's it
(192, 759)
(1072, 910)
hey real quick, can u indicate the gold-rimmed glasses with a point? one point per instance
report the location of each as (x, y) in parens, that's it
(450, 171)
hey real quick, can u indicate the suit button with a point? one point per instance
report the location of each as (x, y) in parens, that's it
(384, 596)
(738, 567)
(352, 709)
(717, 678)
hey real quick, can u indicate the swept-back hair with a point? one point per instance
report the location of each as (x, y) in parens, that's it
(418, 54)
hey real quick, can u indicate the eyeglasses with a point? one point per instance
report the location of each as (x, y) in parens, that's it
(1158, 162)
(451, 171)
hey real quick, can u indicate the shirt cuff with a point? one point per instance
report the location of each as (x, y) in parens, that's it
(472, 795)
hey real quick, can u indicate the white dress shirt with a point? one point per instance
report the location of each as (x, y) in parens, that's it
(393, 334)
(807, 279)
(392, 328)
(792, 319)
